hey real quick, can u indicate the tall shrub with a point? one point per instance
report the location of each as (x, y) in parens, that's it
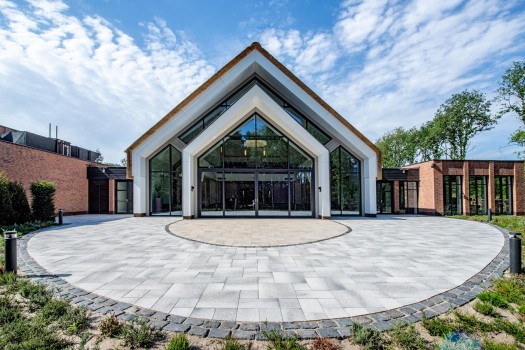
(43, 205)
(19, 204)
(6, 209)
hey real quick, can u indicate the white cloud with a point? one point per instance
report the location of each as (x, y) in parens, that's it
(89, 77)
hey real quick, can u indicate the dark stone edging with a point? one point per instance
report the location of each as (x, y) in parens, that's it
(334, 328)
(167, 228)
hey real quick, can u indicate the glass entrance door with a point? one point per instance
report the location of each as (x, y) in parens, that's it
(272, 194)
(123, 198)
(239, 194)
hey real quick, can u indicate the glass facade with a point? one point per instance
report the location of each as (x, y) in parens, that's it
(345, 180)
(385, 198)
(408, 194)
(165, 176)
(255, 171)
(503, 192)
(452, 195)
(223, 106)
(478, 195)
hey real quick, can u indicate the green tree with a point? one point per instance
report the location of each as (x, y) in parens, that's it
(511, 95)
(398, 147)
(460, 118)
(19, 203)
(429, 141)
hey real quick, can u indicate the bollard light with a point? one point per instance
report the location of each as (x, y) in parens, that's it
(515, 253)
(60, 217)
(10, 238)
(489, 215)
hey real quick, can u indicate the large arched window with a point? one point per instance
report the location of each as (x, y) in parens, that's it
(345, 179)
(165, 170)
(255, 171)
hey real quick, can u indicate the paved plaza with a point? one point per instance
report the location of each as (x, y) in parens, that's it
(383, 263)
(258, 232)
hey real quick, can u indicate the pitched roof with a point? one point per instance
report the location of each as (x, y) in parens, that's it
(255, 46)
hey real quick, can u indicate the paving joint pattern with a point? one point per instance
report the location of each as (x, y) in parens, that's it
(333, 328)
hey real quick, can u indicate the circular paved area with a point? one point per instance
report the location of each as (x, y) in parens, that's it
(257, 232)
(384, 263)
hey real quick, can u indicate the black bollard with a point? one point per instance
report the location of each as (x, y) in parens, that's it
(10, 238)
(515, 253)
(489, 214)
(60, 217)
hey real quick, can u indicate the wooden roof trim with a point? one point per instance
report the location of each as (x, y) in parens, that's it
(254, 46)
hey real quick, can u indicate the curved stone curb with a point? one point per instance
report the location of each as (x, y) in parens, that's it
(167, 228)
(335, 328)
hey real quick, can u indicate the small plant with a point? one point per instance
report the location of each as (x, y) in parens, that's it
(370, 339)
(110, 326)
(325, 344)
(54, 309)
(521, 310)
(511, 289)
(37, 294)
(517, 330)
(459, 341)
(407, 337)
(485, 309)
(179, 342)
(494, 298)
(491, 345)
(470, 324)
(8, 311)
(138, 334)
(278, 341)
(438, 327)
(75, 319)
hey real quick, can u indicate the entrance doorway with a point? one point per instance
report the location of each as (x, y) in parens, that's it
(256, 193)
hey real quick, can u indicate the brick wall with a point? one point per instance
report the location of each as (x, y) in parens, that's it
(26, 165)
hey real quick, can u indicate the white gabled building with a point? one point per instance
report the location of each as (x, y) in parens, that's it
(254, 141)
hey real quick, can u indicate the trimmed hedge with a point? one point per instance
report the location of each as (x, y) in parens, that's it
(14, 208)
(43, 204)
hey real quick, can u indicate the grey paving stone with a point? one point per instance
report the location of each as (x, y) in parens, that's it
(243, 335)
(126, 317)
(219, 333)
(211, 324)
(249, 327)
(95, 307)
(104, 310)
(228, 325)
(176, 319)
(290, 325)
(326, 324)
(362, 320)
(328, 333)
(160, 316)
(344, 332)
(411, 319)
(381, 325)
(307, 325)
(395, 313)
(193, 321)
(407, 310)
(145, 312)
(345, 322)
(176, 327)
(270, 326)
(121, 306)
(306, 334)
(157, 324)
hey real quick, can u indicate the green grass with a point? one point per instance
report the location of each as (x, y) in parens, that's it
(494, 298)
(278, 341)
(485, 309)
(517, 330)
(369, 338)
(509, 222)
(492, 345)
(470, 324)
(137, 334)
(511, 289)
(439, 327)
(179, 342)
(229, 344)
(406, 337)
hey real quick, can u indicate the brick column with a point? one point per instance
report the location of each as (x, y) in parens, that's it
(465, 188)
(491, 191)
(518, 189)
(395, 187)
(111, 189)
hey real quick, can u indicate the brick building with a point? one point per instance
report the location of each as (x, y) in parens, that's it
(450, 187)
(83, 186)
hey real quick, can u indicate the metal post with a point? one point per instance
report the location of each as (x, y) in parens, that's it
(10, 251)
(489, 215)
(60, 217)
(515, 253)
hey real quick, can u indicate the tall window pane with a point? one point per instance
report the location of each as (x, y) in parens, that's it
(478, 195)
(300, 188)
(211, 193)
(166, 182)
(345, 179)
(503, 191)
(452, 195)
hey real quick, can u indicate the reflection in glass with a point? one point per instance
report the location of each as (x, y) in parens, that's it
(273, 194)
(211, 194)
(239, 194)
(408, 197)
(300, 188)
(478, 195)
(160, 192)
(345, 179)
(503, 191)
(384, 197)
(166, 182)
(453, 195)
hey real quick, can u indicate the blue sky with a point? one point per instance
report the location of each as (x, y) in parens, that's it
(104, 71)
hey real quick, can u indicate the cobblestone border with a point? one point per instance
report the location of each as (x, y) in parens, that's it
(334, 328)
(167, 228)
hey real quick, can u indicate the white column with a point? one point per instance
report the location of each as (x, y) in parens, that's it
(370, 174)
(187, 179)
(324, 183)
(140, 192)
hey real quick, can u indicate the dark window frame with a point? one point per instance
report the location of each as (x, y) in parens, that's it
(379, 196)
(510, 193)
(448, 191)
(474, 185)
(359, 172)
(171, 173)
